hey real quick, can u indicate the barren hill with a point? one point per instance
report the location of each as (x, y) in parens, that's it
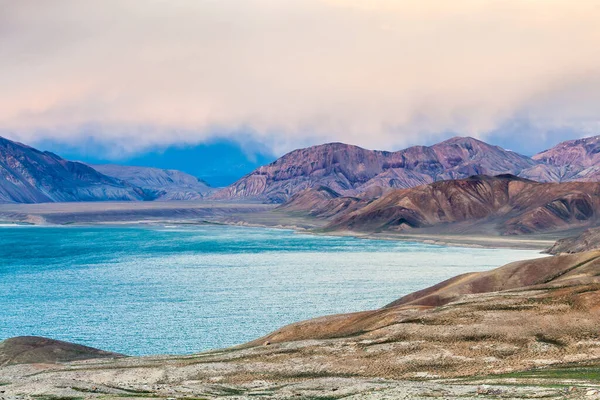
(32, 349)
(503, 204)
(350, 170)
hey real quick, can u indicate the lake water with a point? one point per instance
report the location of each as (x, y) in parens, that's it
(148, 290)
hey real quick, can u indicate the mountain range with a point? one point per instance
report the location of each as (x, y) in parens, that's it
(32, 176)
(354, 171)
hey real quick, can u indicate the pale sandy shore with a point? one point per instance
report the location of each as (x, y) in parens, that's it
(239, 214)
(539, 242)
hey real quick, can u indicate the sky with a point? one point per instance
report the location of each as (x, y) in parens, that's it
(134, 76)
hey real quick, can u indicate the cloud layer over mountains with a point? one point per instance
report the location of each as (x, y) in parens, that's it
(377, 73)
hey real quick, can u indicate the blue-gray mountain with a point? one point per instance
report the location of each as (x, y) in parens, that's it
(28, 175)
(354, 171)
(160, 184)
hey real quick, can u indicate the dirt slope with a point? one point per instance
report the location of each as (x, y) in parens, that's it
(33, 349)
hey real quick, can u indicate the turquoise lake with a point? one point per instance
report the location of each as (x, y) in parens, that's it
(149, 290)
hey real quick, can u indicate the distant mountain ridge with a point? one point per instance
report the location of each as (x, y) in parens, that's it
(160, 184)
(350, 170)
(354, 171)
(28, 175)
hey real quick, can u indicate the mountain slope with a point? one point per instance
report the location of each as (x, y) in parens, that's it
(28, 175)
(338, 166)
(503, 204)
(519, 288)
(321, 202)
(32, 349)
(162, 184)
(350, 170)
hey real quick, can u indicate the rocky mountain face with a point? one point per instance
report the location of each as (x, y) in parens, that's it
(160, 184)
(351, 170)
(28, 175)
(573, 160)
(338, 166)
(505, 204)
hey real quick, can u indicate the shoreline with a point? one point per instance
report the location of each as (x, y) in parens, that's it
(533, 242)
(466, 241)
(241, 215)
(447, 240)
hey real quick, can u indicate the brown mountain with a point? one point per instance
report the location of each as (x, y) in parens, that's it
(351, 170)
(321, 202)
(503, 320)
(504, 204)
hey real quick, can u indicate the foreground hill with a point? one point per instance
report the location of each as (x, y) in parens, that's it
(350, 170)
(28, 175)
(504, 204)
(160, 184)
(522, 325)
(557, 279)
(31, 349)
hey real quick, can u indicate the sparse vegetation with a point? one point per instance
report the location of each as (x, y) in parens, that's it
(54, 397)
(131, 391)
(557, 376)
